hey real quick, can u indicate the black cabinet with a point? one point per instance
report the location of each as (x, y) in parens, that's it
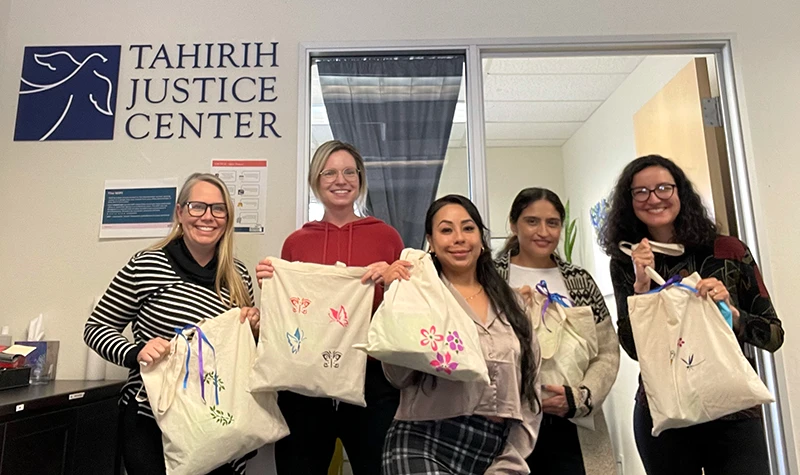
(64, 427)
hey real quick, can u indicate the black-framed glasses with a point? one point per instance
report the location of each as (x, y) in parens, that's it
(198, 209)
(349, 174)
(663, 191)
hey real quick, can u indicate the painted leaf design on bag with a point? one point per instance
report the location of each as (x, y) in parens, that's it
(300, 305)
(429, 337)
(209, 379)
(295, 339)
(444, 363)
(331, 358)
(221, 417)
(339, 316)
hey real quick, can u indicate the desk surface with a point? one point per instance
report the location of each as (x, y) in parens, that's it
(19, 402)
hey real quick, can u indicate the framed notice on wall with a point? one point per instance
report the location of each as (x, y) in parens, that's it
(138, 208)
(247, 183)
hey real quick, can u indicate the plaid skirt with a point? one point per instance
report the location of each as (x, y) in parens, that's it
(465, 445)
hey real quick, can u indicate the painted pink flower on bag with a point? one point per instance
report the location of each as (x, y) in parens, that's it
(429, 337)
(454, 341)
(444, 363)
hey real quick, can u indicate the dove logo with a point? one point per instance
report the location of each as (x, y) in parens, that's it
(67, 93)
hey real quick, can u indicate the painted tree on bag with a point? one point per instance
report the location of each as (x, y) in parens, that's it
(221, 417)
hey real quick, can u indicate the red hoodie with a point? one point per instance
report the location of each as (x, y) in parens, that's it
(359, 243)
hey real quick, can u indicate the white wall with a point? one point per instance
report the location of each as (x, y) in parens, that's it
(595, 155)
(510, 169)
(53, 262)
(455, 173)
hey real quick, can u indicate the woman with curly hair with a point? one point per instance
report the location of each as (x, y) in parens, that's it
(654, 200)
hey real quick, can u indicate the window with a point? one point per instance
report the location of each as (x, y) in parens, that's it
(399, 111)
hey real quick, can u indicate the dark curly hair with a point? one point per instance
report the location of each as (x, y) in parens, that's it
(502, 297)
(693, 226)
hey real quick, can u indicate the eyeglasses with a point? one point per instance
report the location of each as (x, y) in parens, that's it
(198, 209)
(664, 191)
(349, 174)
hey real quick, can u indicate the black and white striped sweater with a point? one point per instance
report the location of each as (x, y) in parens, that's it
(154, 299)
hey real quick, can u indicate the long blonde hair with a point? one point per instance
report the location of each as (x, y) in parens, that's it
(321, 156)
(227, 275)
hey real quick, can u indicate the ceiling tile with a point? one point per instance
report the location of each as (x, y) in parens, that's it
(524, 143)
(566, 87)
(529, 130)
(509, 111)
(563, 65)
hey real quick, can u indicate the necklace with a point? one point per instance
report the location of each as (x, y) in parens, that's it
(474, 295)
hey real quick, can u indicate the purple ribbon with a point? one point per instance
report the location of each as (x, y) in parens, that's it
(200, 368)
(554, 298)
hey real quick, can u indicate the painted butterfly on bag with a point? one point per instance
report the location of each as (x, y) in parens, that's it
(331, 358)
(339, 316)
(300, 305)
(295, 339)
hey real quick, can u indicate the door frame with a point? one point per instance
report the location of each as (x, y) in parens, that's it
(777, 420)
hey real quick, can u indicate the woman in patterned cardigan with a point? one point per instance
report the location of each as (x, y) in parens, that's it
(654, 200)
(536, 219)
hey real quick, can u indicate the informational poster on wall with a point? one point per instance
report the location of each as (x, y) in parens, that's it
(138, 208)
(247, 184)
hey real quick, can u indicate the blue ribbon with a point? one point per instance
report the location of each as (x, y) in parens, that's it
(555, 298)
(201, 371)
(726, 312)
(676, 281)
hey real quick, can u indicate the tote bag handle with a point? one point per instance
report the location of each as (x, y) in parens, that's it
(668, 249)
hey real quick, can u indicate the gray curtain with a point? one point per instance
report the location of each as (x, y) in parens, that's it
(398, 111)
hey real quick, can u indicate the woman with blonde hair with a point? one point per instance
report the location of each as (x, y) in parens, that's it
(189, 275)
(337, 178)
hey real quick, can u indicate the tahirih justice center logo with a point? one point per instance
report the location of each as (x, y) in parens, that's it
(67, 93)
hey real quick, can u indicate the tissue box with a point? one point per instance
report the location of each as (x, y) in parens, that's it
(43, 361)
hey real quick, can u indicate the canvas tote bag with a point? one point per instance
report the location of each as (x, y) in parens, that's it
(567, 338)
(421, 326)
(312, 315)
(693, 369)
(199, 397)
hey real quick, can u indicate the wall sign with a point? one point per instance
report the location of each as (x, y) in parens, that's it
(165, 92)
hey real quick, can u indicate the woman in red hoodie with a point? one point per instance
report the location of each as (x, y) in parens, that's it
(338, 181)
